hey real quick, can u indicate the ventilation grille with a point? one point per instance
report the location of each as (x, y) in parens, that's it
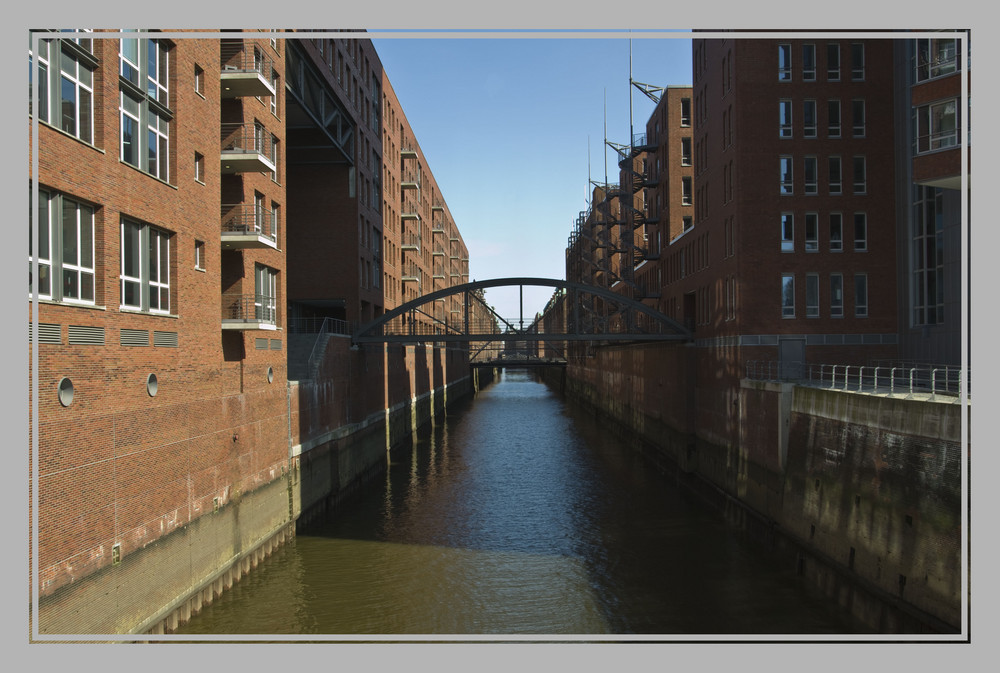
(134, 337)
(165, 339)
(86, 336)
(276, 344)
(261, 344)
(48, 333)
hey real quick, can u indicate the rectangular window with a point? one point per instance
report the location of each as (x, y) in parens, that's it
(833, 118)
(860, 176)
(936, 58)
(685, 151)
(686, 191)
(265, 294)
(860, 232)
(686, 222)
(861, 295)
(810, 178)
(927, 288)
(785, 169)
(685, 112)
(836, 179)
(274, 98)
(199, 167)
(65, 249)
(833, 62)
(858, 118)
(836, 295)
(76, 97)
(144, 115)
(809, 119)
(784, 62)
(808, 62)
(857, 62)
(145, 267)
(787, 295)
(199, 255)
(937, 125)
(787, 232)
(199, 80)
(784, 119)
(812, 295)
(836, 232)
(812, 232)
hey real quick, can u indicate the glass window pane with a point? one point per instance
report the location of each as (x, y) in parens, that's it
(86, 121)
(130, 251)
(86, 237)
(70, 248)
(87, 286)
(68, 121)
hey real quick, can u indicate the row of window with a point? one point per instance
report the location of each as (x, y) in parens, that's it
(835, 298)
(835, 232)
(809, 69)
(810, 123)
(835, 178)
(66, 257)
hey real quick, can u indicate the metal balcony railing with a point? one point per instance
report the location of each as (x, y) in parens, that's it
(940, 384)
(249, 308)
(250, 220)
(246, 138)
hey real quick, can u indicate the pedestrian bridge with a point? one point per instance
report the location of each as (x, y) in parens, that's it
(584, 313)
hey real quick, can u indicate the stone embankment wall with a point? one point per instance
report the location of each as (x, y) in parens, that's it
(236, 478)
(860, 495)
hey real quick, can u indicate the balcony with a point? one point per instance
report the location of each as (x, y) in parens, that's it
(411, 273)
(410, 240)
(407, 153)
(248, 311)
(410, 179)
(249, 227)
(246, 149)
(245, 74)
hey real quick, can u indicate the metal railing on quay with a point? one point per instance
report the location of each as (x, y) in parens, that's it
(936, 383)
(316, 325)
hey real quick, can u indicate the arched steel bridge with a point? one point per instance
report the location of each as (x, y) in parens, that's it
(589, 314)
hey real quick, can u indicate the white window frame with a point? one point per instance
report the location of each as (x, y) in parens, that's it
(54, 229)
(265, 299)
(836, 232)
(833, 123)
(788, 295)
(835, 168)
(812, 232)
(152, 244)
(858, 117)
(860, 232)
(810, 176)
(787, 231)
(860, 175)
(928, 136)
(785, 124)
(809, 110)
(786, 175)
(812, 295)
(929, 64)
(686, 195)
(836, 295)
(784, 69)
(81, 82)
(861, 295)
(147, 91)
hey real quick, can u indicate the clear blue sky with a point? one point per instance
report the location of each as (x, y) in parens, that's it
(507, 126)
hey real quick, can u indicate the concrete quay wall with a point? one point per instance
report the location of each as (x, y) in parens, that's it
(859, 495)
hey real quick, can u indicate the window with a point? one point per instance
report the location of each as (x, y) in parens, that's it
(812, 295)
(277, 90)
(836, 295)
(927, 289)
(860, 232)
(785, 168)
(860, 179)
(857, 61)
(199, 167)
(812, 232)
(861, 295)
(936, 58)
(199, 79)
(685, 112)
(785, 119)
(265, 299)
(810, 180)
(809, 119)
(686, 222)
(199, 255)
(275, 158)
(145, 117)
(787, 232)
(937, 125)
(686, 191)
(65, 249)
(833, 118)
(836, 232)
(833, 62)
(858, 117)
(808, 62)
(145, 267)
(685, 151)
(787, 295)
(65, 95)
(784, 62)
(836, 180)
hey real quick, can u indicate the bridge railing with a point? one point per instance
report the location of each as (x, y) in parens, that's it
(939, 384)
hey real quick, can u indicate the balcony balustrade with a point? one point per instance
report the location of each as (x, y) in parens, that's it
(249, 311)
(246, 149)
(249, 227)
(246, 74)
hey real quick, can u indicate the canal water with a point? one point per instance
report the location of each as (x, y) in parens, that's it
(518, 514)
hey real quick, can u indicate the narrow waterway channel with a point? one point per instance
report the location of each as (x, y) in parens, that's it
(517, 514)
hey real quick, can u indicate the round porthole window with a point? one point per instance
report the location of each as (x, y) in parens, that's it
(270, 374)
(151, 385)
(65, 392)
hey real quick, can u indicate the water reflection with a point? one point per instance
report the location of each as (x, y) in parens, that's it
(518, 515)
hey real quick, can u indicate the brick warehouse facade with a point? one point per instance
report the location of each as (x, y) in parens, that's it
(179, 180)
